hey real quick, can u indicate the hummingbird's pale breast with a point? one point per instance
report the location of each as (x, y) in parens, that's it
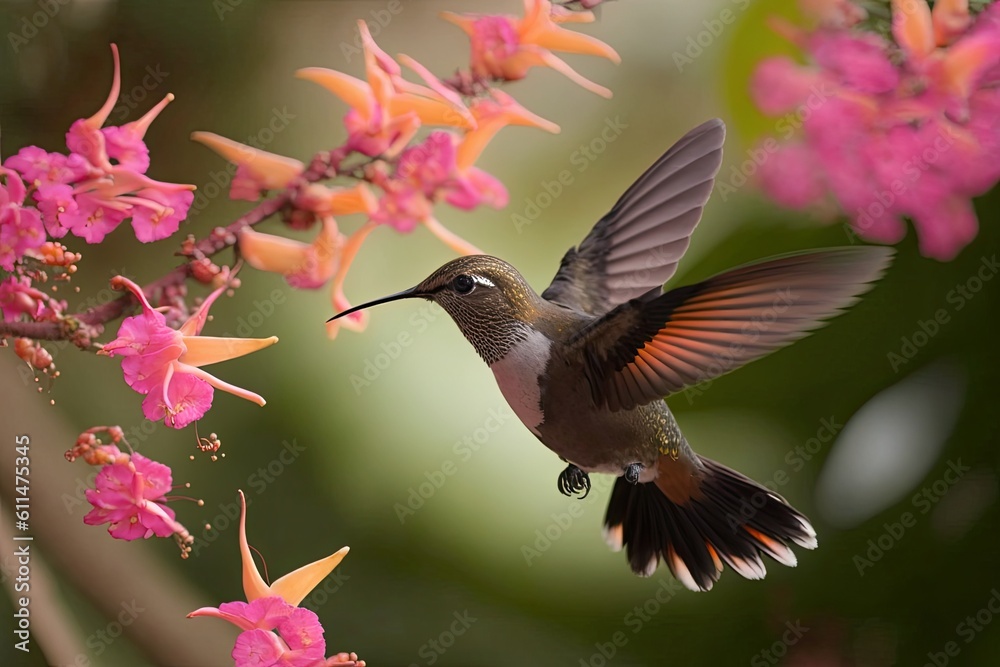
(518, 376)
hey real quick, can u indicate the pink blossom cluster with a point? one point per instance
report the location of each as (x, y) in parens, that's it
(90, 191)
(130, 490)
(898, 130)
(400, 180)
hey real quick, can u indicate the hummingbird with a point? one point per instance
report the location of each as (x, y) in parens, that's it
(586, 365)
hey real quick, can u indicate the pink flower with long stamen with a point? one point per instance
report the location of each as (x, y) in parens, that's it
(165, 363)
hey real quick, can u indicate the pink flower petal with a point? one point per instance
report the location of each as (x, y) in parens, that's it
(859, 61)
(92, 220)
(126, 149)
(258, 648)
(57, 204)
(157, 215)
(791, 176)
(189, 398)
(779, 85)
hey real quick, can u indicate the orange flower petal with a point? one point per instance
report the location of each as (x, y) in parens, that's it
(429, 111)
(951, 19)
(204, 350)
(295, 586)
(254, 586)
(912, 27)
(538, 27)
(964, 62)
(271, 171)
(277, 254)
(355, 92)
(492, 116)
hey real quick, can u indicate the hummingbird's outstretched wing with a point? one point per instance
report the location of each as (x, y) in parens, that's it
(638, 244)
(661, 343)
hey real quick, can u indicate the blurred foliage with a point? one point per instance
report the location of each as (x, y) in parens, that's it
(367, 449)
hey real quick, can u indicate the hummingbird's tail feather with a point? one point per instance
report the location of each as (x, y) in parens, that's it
(726, 518)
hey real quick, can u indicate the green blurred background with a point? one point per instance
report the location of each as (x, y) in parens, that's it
(495, 541)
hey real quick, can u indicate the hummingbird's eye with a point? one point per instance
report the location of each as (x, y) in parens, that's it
(463, 284)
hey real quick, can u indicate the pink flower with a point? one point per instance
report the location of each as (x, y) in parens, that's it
(165, 364)
(506, 47)
(157, 213)
(911, 131)
(298, 640)
(58, 207)
(128, 496)
(18, 297)
(115, 186)
(39, 167)
(21, 228)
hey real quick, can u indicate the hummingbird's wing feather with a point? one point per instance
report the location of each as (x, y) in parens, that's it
(638, 244)
(661, 343)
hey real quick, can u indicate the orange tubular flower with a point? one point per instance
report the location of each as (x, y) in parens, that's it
(257, 171)
(386, 111)
(505, 47)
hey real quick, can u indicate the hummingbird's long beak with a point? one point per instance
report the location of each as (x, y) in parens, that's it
(405, 294)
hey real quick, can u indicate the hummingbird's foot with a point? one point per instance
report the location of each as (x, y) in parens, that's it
(574, 480)
(632, 472)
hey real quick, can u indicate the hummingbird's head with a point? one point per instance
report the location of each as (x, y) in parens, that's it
(487, 298)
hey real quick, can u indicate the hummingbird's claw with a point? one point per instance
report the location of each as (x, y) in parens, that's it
(632, 472)
(574, 480)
